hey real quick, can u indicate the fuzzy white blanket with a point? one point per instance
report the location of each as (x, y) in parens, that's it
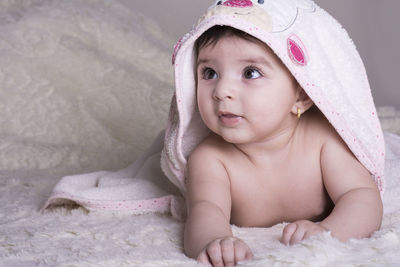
(85, 86)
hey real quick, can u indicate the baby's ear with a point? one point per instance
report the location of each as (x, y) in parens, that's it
(303, 101)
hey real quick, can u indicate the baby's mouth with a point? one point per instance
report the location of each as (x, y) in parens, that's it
(228, 115)
(229, 119)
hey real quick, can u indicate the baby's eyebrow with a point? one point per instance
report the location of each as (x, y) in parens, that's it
(258, 60)
(201, 61)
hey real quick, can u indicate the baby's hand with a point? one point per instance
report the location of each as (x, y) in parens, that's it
(226, 251)
(297, 231)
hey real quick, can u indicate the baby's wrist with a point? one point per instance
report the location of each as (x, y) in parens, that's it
(324, 226)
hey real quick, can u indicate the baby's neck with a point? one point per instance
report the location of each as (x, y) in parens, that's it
(273, 147)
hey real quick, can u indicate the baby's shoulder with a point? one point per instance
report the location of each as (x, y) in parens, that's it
(213, 147)
(317, 127)
(206, 161)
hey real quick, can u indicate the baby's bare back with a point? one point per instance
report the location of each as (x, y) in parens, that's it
(285, 185)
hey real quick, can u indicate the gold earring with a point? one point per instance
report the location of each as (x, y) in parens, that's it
(298, 113)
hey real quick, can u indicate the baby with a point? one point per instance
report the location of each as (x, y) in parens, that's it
(267, 160)
(264, 129)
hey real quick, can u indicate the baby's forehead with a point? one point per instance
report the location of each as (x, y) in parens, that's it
(240, 39)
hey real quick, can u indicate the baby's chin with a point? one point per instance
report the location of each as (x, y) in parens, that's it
(234, 137)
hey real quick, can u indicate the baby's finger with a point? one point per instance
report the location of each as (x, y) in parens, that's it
(287, 233)
(297, 236)
(249, 255)
(228, 252)
(214, 253)
(203, 258)
(242, 252)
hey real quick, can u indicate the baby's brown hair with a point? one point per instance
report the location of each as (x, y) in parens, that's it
(214, 34)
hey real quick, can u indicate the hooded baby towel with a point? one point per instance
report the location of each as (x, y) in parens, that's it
(316, 50)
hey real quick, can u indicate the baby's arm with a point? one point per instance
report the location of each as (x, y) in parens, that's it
(358, 205)
(208, 235)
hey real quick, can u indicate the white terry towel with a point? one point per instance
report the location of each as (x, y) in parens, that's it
(140, 188)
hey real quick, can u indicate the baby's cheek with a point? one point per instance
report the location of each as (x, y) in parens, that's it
(208, 116)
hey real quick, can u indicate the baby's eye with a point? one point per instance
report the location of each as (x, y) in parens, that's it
(209, 74)
(252, 73)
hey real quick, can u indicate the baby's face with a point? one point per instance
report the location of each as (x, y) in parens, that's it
(244, 92)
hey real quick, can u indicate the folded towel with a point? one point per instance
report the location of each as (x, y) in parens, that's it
(138, 189)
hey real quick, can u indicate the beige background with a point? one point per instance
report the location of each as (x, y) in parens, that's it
(373, 25)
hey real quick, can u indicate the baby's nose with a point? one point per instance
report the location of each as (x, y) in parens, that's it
(223, 91)
(221, 97)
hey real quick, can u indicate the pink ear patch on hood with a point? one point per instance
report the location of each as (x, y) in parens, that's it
(238, 3)
(296, 50)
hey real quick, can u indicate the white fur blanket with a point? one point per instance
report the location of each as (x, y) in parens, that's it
(85, 86)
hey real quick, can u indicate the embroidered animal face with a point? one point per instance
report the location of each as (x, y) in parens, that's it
(268, 15)
(281, 13)
(250, 11)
